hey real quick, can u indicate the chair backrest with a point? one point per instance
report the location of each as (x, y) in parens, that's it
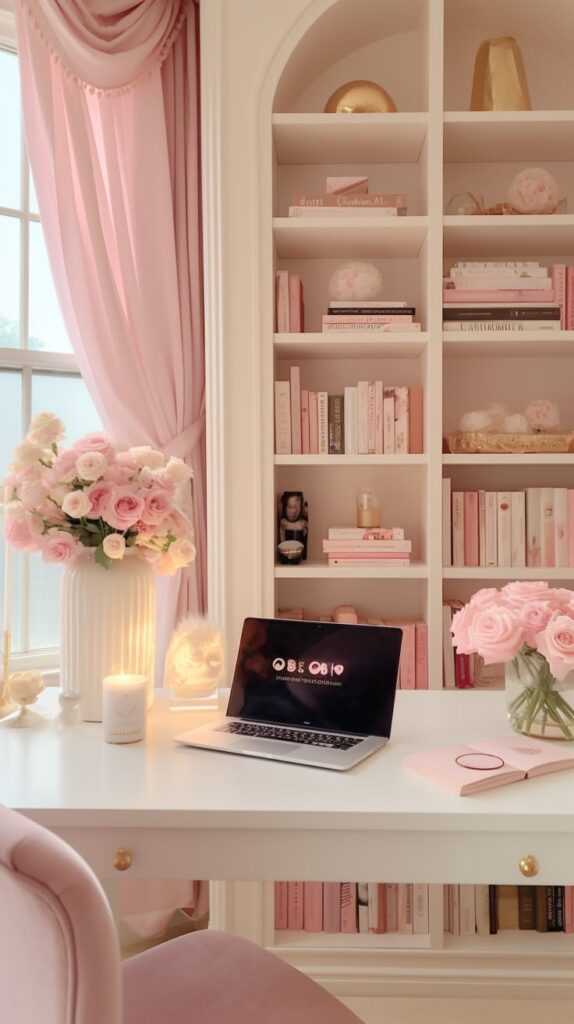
(59, 956)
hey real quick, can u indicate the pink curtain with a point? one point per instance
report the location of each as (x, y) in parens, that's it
(111, 112)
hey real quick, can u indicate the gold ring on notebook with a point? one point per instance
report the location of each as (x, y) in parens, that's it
(479, 762)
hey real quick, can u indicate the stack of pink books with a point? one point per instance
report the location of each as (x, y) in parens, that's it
(289, 307)
(355, 546)
(368, 315)
(349, 196)
(505, 296)
(374, 908)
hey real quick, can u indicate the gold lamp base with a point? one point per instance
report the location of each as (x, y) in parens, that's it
(360, 98)
(499, 81)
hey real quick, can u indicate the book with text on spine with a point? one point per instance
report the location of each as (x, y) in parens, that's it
(395, 200)
(489, 764)
(503, 295)
(347, 211)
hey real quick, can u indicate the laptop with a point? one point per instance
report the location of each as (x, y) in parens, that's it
(314, 693)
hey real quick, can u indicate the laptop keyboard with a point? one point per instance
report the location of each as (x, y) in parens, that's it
(313, 739)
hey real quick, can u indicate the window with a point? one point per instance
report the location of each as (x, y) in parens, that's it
(38, 370)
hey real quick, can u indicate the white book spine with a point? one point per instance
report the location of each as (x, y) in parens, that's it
(389, 421)
(491, 502)
(401, 420)
(282, 417)
(482, 909)
(420, 908)
(458, 528)
(446, 522)
(371, 418)
(363, 392)
(482, 527)
(449, 681)
(560, 526)
(547, 530)
(466, 909)
(518, 528)
(455, 898)
(392, 914)
(373, 904)
(323, 419)
(504, 528)
(534, 526)
(296, 410)
(405, 908)
(379, 449)
(351, 421)
(282, 301)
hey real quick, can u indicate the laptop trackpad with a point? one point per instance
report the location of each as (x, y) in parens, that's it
(267, 746)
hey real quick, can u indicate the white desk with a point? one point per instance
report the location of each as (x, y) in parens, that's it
(194, 813)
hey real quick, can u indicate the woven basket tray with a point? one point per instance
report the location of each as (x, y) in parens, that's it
(478, 442)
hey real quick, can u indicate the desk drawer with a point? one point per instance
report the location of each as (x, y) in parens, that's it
(154, 853)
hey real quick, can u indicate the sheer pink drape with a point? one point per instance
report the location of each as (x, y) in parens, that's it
(111, 112)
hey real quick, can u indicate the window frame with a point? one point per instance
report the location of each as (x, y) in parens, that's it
(28, 361)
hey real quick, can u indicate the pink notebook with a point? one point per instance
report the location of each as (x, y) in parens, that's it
(489, 764)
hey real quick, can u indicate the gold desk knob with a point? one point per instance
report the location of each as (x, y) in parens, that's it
(122, 859)
(529, 866)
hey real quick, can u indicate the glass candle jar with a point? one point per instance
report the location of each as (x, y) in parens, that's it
(368, 508)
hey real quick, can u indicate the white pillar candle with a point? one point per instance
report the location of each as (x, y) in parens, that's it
(124, 708)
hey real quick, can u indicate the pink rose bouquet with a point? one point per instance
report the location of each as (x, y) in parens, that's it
(97, 497)
(530, 627)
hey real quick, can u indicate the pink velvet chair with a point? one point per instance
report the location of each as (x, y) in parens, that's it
(60, 963)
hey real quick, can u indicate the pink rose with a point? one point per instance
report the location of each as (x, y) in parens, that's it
(100, 496)
(180, 525)
(496, 634)
(117, 475)
(486, 598)
(59, 546)
(63, 469)
(97, 442)
(182, 552)
(32, 494)
(157, 505)
(114, 545)
(459, 628)
(148, 554)
(535, 616)
(20, 532)
(522, 591)
(542, 414)
(161, 478)
(165, 566)
(45, 429)
(76, 504)
(124, 509)
(556, 643)
(91, 465)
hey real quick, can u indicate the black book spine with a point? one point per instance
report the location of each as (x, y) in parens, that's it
(502, 313)
(492, 910)
(372, 311)
(336, 425)
(526, 906)
(558, 907)
(540, 913)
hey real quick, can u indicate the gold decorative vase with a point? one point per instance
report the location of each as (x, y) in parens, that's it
(499, 81)
(360, 98)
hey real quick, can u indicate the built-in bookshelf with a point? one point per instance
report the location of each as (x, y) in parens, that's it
(423, 52)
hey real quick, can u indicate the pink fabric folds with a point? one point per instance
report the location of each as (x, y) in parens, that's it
(117, 177)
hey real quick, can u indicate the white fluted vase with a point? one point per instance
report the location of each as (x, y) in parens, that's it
(107, 626)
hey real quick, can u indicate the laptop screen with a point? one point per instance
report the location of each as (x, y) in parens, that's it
(326, 675)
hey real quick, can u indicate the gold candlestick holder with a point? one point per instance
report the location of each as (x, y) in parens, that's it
(7, 706)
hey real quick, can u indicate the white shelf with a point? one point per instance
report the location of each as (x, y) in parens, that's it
(506, 572)
(286, 940)
(351, 238)
(346, 138)
(527, 459)
(351, 460)
(354, 345)
(501, 344)
(322, 571)
(532, 136)
(512, 236)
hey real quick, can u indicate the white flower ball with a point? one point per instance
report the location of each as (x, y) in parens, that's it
(533, 190)
(477, 419)
(356, 280)
(498, 413)
(516, 423)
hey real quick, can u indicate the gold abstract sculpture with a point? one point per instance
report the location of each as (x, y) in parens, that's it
(499, 81)
(360, 98)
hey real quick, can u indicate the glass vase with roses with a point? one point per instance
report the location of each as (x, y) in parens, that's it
(113, 517)
(530, 627)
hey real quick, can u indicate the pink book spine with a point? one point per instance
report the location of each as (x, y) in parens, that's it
(363, 404)
(504, 528)
(313, 906)
(371, 418)
(458, 295)
(313, 424)
(570, 298)
(446, 522)
(421, 656)
(405, 908)
(294, 303)
(547, 512)
(347, 185)
(366, 545)
(401, 420)
(305, 425)
(569, 908)
(349, 907)
(495, 282)
(534, 526)
(518, 528)
(323, 422)
(560, 527)
(295, 376)
(482, 527)
(462, 676)
(332, 907)
(416, 440)
(282, 301)
(470, 509)
(558, 276)
(295, 905)
(379, 417)
(382, 908)
(282, 417)
(389, 421)
(392, 907)
(385, 318)
(281, 906)
(371, 556)
(397, 199)
(458, 528)
(407, 665)
(570, 500)
(491, 528)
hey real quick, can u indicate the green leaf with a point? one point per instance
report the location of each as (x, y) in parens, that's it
(101, 558)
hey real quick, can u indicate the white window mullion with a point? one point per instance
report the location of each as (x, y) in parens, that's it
(25, 579)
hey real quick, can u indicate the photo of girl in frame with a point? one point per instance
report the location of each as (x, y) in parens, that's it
(293, 528)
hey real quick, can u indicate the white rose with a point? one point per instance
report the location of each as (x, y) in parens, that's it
(45, 428)
(178, 470)
(114, 545)
(91, 465)
(26, 455)
(76, 504)
(147, 456)
(58, 493)
(182, 552)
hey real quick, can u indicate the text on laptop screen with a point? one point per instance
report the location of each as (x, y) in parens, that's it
(326, 675)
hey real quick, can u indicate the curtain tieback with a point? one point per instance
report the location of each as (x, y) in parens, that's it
(184, 443)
